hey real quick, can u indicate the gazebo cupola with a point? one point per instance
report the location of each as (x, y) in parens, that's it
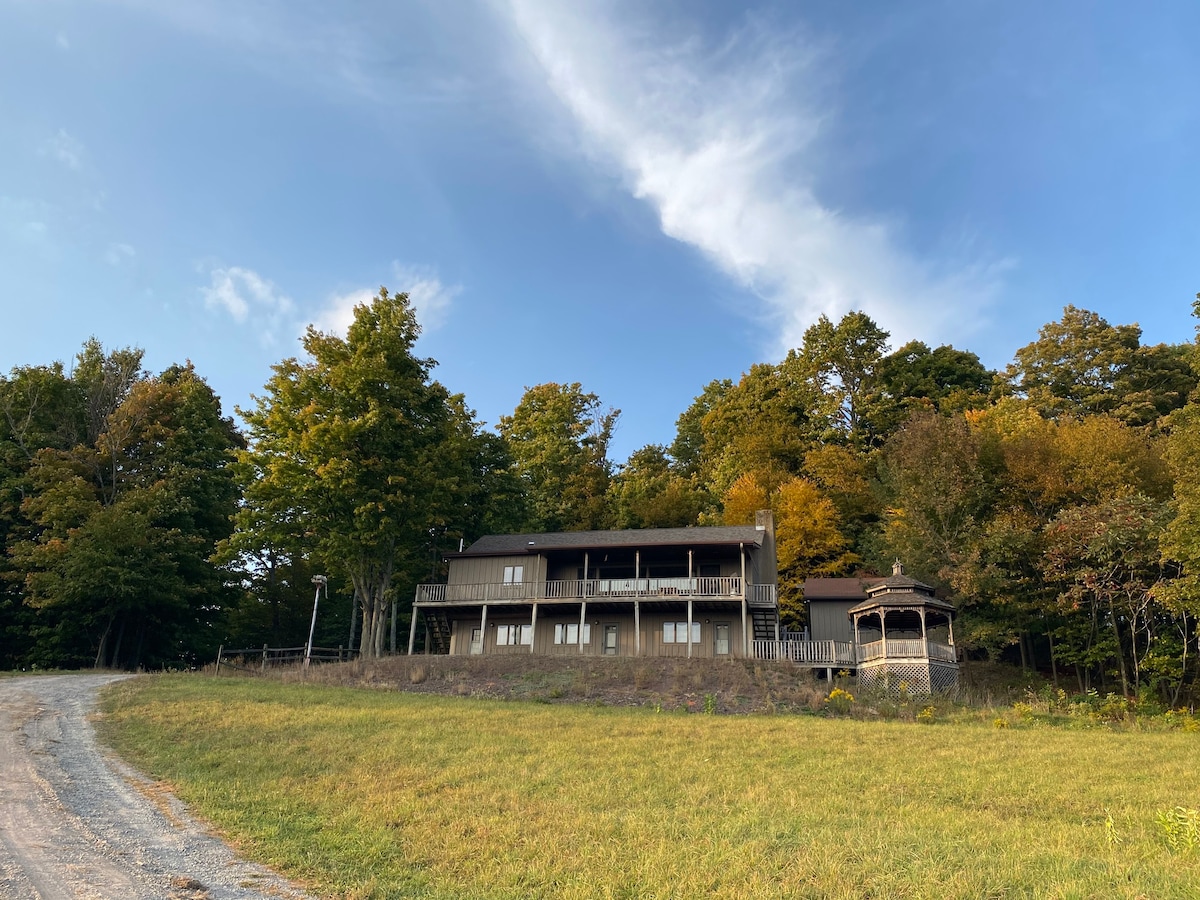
(905, 636)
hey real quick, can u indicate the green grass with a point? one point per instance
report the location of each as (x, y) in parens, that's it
(370, 794)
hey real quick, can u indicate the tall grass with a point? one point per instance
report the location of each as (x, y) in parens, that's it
(369, 794)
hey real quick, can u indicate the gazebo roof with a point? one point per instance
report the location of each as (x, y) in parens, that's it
(897, 591)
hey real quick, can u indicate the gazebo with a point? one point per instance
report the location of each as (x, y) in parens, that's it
(905, 636)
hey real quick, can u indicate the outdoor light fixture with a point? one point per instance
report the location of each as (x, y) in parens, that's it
(321, 582)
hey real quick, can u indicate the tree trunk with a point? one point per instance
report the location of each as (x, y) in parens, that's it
(116, 654)
(103, 644)
(1112, 618)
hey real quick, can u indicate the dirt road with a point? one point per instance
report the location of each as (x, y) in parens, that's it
(75, 826)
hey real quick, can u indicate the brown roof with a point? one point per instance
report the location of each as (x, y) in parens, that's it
(838, 588)
(512, 544)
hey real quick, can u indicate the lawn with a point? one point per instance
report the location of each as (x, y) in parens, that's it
(364, 794)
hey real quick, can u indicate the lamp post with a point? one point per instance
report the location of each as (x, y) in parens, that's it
(321, 582)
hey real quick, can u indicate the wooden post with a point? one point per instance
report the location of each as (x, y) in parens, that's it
(745, 608)
(689, 628)
(582, 622)
(482, 632)
(412, 631)
(637, 572)
(428, 640)
(637, 628)
(220, 651)
(533, 628)
(264, 659)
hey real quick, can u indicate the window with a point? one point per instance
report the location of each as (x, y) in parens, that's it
(569, 634)
(514, 574)
(677, 632)
(511, 635)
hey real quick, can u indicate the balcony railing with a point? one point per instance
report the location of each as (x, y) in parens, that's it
(724, 587)
(813, 653)
(906, 649)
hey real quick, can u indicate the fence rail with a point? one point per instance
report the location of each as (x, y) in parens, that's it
(258, 659)
(725, 587)
(814, 653)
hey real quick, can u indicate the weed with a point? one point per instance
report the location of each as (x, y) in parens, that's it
(839, 702)
(417, 674)
(1181, 828)
(710, 704)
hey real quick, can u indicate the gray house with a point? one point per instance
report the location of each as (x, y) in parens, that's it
(686, 592)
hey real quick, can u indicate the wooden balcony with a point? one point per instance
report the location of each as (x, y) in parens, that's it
(596, 589)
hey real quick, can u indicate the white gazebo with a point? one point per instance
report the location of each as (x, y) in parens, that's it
(904, 637)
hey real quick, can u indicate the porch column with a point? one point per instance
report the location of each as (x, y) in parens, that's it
(583, 591)
(582, 622)
(950, 625)
(637, 628)
(533, 628)
(412, 631)
(745, 607)
(745, 629)
(924, 635)
(689, 568)
(637, 572)
(428, 641)
(689, 628)
(883, 631)
(482, 632)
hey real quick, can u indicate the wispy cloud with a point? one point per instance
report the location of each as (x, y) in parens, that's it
(249, 299)
(430, 298)
(116, 254)
(720, 139)
(64, 148)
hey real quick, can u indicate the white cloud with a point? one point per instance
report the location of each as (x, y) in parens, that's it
(118, 253)
(249, 299)
(720, 141)
(338, 313)
(66, 149)
(430, 298)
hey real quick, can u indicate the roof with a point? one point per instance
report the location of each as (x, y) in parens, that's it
(513, 544)
(838, 588)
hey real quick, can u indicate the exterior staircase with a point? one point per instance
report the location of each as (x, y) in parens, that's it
(764, 623)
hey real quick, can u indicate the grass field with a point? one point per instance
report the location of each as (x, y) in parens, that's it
(375, 794)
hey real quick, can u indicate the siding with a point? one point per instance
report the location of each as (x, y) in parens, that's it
(652, 633)
(828, 620)
(490, 569)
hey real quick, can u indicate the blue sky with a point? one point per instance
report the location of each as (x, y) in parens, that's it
(637, 196)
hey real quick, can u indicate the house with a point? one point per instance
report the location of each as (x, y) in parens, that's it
(685, 592)
(708, 592)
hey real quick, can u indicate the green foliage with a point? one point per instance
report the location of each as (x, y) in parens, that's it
(558, 437)
(1181, 828)
(358, 457)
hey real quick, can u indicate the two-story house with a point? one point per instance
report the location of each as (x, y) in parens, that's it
(687, 592)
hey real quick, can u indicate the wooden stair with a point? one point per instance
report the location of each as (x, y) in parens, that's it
(764, 623)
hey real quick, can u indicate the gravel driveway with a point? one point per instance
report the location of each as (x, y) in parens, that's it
(76, 823)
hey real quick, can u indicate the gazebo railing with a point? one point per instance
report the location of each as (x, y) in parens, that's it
(906, 649)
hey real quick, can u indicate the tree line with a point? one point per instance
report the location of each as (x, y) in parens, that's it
(1056, 502)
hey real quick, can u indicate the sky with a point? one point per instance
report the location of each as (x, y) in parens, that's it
(638, 196)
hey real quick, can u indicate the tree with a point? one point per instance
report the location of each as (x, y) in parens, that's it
(841, 363)
(121, 530)
(558, 436)
(648, 493)
(356, 454)
(915, 378)
(1082, 365)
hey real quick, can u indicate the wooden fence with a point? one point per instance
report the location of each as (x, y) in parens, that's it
(258, 659)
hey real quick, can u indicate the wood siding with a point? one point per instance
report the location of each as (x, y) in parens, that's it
(828, 620)
(652, 622)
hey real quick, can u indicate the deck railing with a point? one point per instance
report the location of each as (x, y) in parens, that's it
(725, 587)
(906, 649)
(814, 653)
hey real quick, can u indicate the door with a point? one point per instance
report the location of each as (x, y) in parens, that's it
(610, 640)
(476, 641)
(721, 639)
